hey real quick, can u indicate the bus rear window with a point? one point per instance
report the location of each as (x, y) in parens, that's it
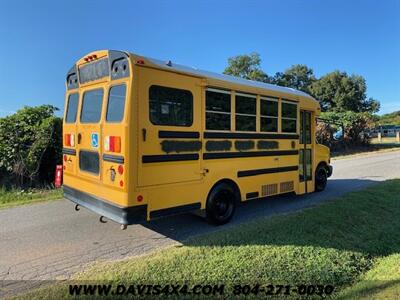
(116, 103)
(91, 106)
(72, 108)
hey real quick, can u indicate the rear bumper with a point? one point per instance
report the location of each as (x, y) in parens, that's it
(121, 215)
(330, 170)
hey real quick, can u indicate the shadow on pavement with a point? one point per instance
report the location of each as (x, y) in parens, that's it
(184, 226)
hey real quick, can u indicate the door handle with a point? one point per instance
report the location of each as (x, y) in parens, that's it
(144, 132)
(79, 138)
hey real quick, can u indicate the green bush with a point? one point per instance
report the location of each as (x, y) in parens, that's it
(30, 146)
(354, 124)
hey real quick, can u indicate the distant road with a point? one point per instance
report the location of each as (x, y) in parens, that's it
(49, 241)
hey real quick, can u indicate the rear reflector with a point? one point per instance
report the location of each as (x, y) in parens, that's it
(69, 140)
(112, 144)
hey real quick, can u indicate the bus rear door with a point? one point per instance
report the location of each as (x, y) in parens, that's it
(89, 133)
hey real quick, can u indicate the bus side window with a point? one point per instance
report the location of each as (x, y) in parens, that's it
(289, 117)
(170, 106)
(116, 103)
(246, 112)
(269, 115)
(72, 108)
(218, 110)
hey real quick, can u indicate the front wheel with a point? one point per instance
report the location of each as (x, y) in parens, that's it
(321, 178)
(221, 204)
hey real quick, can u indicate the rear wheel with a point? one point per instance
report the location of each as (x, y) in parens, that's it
(221, 203)
(321, 178)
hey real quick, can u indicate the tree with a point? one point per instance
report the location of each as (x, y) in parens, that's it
(354, 123)
(28, 137)
(340, 92)
(246, 66)
(299, 77)
(390, 119)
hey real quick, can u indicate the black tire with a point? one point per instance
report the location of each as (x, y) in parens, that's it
(221, 203)
(321, 178)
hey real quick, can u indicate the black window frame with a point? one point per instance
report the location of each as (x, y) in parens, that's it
(209, 112)
(169, 124)
(68, 106)
(83, 102)
(241, 114)
(108, 102)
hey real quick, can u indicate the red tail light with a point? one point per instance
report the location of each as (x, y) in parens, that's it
(69, 140)
(120, 169)
(112, 144)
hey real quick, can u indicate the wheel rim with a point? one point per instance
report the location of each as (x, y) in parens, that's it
(223, 204)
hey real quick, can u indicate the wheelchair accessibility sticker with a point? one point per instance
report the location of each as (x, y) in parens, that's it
(95, 140)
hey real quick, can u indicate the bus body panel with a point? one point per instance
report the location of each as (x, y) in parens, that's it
(170, 168)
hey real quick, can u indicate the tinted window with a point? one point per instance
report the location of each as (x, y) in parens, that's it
(246, 110)
(218, 101)
(269, 115)
(289, 117)
(91, 106)
(245, 105)
(289, 125)
(245, 123)
(289, 110)
(218, 121)
(218, 110)
(116, 103)
(269, 124)
(72, 108)
(170, 106)
(269, 108)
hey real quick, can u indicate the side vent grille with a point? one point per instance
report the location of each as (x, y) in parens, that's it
(269, 189)
(286, 186)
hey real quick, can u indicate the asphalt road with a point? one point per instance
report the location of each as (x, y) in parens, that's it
(49, 241)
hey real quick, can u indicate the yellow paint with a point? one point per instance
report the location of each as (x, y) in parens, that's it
(169, 184)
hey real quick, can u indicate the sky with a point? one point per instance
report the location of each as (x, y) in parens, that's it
(41, 40)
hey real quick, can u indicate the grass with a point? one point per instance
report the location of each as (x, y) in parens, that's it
(11, 198)
(352, 243)
(385, 140)
(381, 282)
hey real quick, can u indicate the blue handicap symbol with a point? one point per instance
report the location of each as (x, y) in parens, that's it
(95, 140)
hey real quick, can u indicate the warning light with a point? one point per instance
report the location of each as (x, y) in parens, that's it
(120, 169)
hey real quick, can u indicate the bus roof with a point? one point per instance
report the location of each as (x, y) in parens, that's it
(168, 65)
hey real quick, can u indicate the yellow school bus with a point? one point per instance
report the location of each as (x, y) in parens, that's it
(146, 138)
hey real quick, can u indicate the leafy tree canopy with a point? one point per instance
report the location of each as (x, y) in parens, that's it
(390, 119)
(339, 92)
(247, 67)
(299, 77)
(30, 139)
(336, 91)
